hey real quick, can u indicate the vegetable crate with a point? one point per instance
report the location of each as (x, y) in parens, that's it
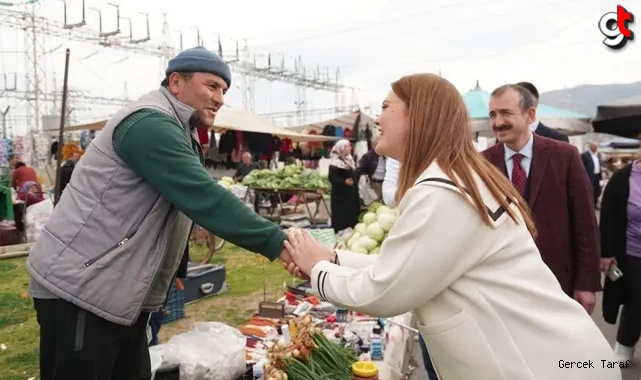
(249, 373)
(175, 308)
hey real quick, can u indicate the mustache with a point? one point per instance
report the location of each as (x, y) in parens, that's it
(501, 128)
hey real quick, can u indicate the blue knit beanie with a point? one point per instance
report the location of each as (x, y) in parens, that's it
(200, 60)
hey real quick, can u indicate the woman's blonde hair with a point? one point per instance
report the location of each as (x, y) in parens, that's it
(440, 130)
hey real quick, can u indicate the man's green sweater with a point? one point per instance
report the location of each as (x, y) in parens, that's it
(157, 148)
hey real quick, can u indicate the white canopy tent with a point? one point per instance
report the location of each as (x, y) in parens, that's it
(348, 120)
(235, 119)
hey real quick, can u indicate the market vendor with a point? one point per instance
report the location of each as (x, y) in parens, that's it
(245, 167)
(112, 246)
(24, 180)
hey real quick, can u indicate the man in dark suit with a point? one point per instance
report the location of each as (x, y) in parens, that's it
(536, 126)
(551, 179)
(592, 162)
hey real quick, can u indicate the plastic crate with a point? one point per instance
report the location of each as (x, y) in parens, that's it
(174, 374)
(175, 308)
(249, 373)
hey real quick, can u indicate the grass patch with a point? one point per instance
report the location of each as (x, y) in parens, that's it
(14, 309)
(19, 330)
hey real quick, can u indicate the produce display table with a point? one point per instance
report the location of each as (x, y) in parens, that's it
(303, 196)
(399, 341)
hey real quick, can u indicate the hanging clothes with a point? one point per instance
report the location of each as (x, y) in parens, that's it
(338, 132)
(347, 133)
(203, 136)
(275, 145)
(212, 139)
(329, 130)
(228, 142)
(86, 137)
(5, 151)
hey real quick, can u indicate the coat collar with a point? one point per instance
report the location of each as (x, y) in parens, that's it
(540, 160)
(538, 168)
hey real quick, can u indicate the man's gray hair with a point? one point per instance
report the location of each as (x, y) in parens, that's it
(527, 99)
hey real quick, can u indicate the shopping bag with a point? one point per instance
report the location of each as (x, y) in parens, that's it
(367, 194)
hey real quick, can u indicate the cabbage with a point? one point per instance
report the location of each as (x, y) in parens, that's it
(369, 218)
(227, 179)
(367, 242)
(375, 232)
(375, 251)
(353, 239)
(386, 221)
(360, 228)
(382, 209)
(358, 249)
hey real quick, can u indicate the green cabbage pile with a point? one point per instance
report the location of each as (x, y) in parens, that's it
(369, 234)
(289, 177)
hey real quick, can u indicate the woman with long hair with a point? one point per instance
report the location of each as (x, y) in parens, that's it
(460, 256)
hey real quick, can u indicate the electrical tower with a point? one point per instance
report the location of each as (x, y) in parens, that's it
(36, 27)
(35, 73)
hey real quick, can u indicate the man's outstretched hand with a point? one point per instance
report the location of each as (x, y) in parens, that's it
(290, 266)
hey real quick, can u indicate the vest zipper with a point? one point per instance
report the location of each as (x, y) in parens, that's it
(105, 253)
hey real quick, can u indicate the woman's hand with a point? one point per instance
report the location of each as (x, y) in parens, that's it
(306, 252)
(349, 182)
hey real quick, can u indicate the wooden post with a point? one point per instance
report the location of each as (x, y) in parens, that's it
(63, 117)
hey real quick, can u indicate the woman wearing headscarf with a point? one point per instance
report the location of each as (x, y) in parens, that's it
(461, 256)
(345, 202)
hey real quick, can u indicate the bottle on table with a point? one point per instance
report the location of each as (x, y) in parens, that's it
(376, 343)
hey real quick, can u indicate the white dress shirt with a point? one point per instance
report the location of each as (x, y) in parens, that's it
(526, 161)
(597, 162)
(390, 182)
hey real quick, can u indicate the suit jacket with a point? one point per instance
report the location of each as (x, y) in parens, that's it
(545, 131)
(560, 197)
(480, 293)
(368, 163)
(588, 163)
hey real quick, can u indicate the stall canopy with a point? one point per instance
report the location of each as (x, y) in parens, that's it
(621, 118)
(348, 120)
(235, 119)
(477, 102)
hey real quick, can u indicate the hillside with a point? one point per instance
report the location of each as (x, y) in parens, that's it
(586, 98)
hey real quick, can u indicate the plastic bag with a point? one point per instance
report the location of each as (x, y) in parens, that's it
(367, 194)
(36, 218)
(211, 351)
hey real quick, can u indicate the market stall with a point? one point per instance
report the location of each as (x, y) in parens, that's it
(622, 118)
(236, 131)
(356, 126)
(297, 326)
(289, 188)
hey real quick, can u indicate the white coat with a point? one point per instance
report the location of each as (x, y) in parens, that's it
(486, 304)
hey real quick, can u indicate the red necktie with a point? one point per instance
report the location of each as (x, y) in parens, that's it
(519, 178)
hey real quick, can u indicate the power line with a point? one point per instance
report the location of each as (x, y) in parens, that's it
(370, 25)
(303, 78)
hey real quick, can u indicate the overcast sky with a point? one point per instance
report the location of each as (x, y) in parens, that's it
(552, 43)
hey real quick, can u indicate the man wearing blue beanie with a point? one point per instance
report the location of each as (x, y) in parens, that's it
(106, 258)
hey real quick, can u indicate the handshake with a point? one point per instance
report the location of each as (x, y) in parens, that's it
(302, 252)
